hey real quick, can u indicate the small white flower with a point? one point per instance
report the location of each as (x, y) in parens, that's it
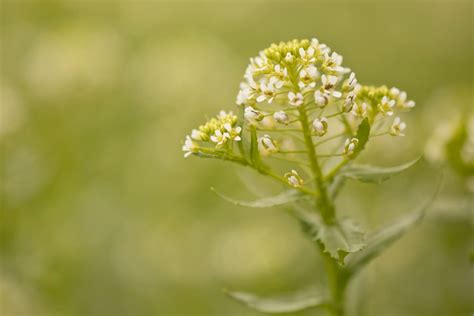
(296, 99)
(405, 106)
(320, 98)
(397, 127)
(234, 132)
(268, 90)
(220, 138)
(281, 117)
(320, 126)
(280, 73)
(329, 83)
(242, 97)
(294, 179)
(189, 147)
(307, 56)
(252, 115)
(386, 106)
(359, 110)
(266, 145)
(350, 83)
(289, 58)
(307, 77)
(350, 145)
(333, 63)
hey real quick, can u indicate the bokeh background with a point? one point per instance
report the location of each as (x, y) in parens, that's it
(101, 215)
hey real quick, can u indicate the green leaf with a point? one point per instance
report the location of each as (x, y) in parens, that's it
(372, 174)
(280, 199)
(282, 304)
(338, 239)
(341, 238)
(362, 135)
(386, 236)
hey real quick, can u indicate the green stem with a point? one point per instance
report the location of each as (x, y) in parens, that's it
(324, 203)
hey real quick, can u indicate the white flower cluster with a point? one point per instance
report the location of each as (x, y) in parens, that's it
(296, 72)
(319, 97)
(220, 131)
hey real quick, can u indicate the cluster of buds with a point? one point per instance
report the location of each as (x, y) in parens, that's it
(220, 131)
(372, 100)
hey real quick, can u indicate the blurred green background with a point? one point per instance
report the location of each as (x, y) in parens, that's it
(101, 215)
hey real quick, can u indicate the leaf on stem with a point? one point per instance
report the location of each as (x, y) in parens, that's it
(280, 199)
(289, 303)
(373, 174)
(362, 135)
(339, 238)
(386, 236)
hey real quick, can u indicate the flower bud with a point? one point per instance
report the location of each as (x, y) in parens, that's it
(281, 117)
(350, 83)
(349, 102)
(321, 99)
(266, 145)
(252, 115)
(294, 179)
(350, 146)
(320, 126)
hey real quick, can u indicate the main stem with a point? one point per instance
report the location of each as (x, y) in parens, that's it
(324, 203)
(326, 207)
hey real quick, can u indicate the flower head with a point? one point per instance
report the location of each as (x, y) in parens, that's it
(318, 69)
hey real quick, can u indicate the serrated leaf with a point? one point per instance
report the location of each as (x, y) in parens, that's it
(338, 239)
(282, 304)
(363, 132)
(280, 199)
(341, 238)
(386, 236)
(372, 174)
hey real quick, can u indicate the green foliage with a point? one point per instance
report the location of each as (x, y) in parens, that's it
(386, 236)
(373, 174)
(281, 199)
(289, 303)
(363, 132)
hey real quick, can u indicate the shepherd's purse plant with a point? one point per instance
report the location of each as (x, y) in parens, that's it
(303, 121)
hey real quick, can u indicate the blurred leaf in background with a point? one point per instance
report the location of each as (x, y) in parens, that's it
(101, 215)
